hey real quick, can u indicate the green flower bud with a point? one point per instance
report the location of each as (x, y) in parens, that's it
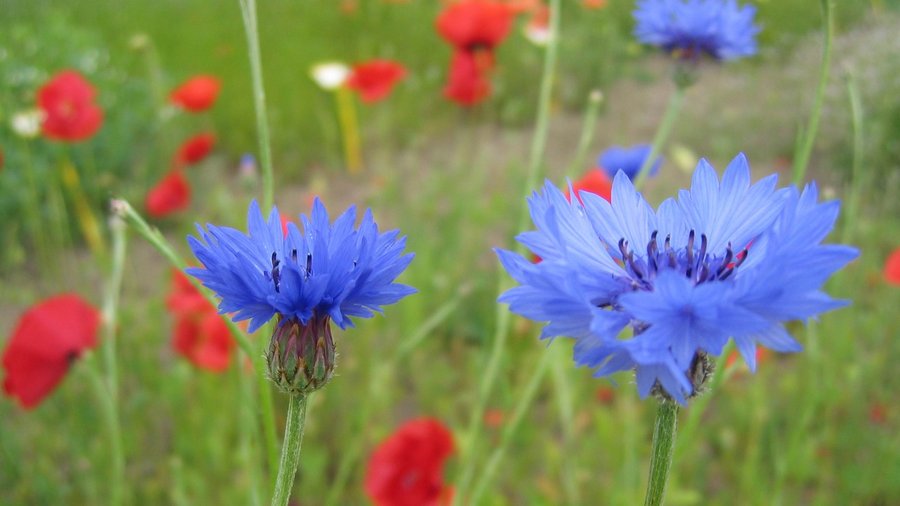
(301, 357)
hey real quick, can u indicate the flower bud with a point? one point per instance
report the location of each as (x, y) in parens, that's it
(301, 357)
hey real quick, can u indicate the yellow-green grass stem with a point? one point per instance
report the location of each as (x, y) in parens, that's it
(87, 221)
(349, 124)
(290, 450)
(595, 98)
(808, 134)
(857, 183)
(538, 146)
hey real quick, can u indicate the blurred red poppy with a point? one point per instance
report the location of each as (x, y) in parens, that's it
(593, 4)
(472, 25)
(892, 268)
(374, 79)
(593, 181)
(48, 338)
(474, 28)
(70, 114)
(407, 468)
(605, 395)
(171, 194)
(467, 84)
(196, 94)
(200, 335)
(195, 149)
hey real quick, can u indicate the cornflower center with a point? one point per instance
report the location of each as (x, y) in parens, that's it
(697, 264)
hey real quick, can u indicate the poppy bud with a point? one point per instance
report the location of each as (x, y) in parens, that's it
(301, 357)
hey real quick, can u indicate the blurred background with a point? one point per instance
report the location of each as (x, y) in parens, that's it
(819, 427)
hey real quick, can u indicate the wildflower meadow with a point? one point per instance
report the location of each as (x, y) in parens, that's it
(450, 252)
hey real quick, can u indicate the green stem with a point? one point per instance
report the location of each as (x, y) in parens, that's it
(801, 157)
(563, 390)
(673, 109)
(267, 404)
(587, 132)
(538, 145)
(114, 433)
(511, 428)
(290, 451)
(661, 452)
(698, 405)
(851, 210)
(248, 14)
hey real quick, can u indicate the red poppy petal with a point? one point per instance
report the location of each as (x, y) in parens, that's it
(892, 268)
(196, 94)
(67, 101)
(171, 194)
(195, 149)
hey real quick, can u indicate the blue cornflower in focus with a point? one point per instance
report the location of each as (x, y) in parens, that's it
(628, 160)
(326, 272)
(689, 28)
(657, 291)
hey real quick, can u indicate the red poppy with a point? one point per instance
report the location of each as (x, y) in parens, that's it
(892, 268)
(762, 354)
(605, 395)
(196, 94)
(472, 25)
(593, 4)
(494, 418)
(594, 181)
(195, 149)
(47, 339)
(407, 468)
(171, 194)
(70, 114)
(878, 413)
(467, 84)
(200, 335)
(374, 79)
(474, 28)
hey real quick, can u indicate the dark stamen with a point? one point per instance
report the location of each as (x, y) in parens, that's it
(276, 274)
(690, 254)
(652, 252)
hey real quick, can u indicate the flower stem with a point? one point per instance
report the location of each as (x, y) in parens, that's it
(248, 14)
(111, 397)
(804, 148)
(114, 433)
(851, 210)
(509, 431)
(538, 145)
(587, 132)
(349, 129)
(290, 451)
(662, 134)
(661, 452)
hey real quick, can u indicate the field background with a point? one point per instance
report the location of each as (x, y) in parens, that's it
(819, 427)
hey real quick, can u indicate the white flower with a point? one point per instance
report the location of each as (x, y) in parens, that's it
(330, 75)
(27, 124)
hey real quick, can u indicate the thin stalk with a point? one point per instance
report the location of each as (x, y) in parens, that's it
(673, 109)
(114, 433)
(110, 323)
(857, 115)
(587, 132)
(124, 210)
(563, 390)
(90, 228)
(36, 227)
(247, 429)
(538, 145)
(661, 452)
(698, 405)
(290, 451)
(349, 124)
(248, 14)
(801, 156)
(510, 430)
(267, 404)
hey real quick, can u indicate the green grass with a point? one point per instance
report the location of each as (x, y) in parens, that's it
(797, 432)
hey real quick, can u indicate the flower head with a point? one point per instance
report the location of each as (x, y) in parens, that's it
(330, 75)
(691, 28)
(467, 84)
(199, 333)
(48, 338)
(628, 160)
(326, 272)
(170, 195)
(197, 94)
(892, 268)
(407, 468)
(374, 79)
(727, 259)
(195, 149)
(70, 113)
(27, 124)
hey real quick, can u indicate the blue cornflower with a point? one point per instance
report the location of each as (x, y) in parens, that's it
(719, 28)
(628, 160)
(326, 272)
(727, 259)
